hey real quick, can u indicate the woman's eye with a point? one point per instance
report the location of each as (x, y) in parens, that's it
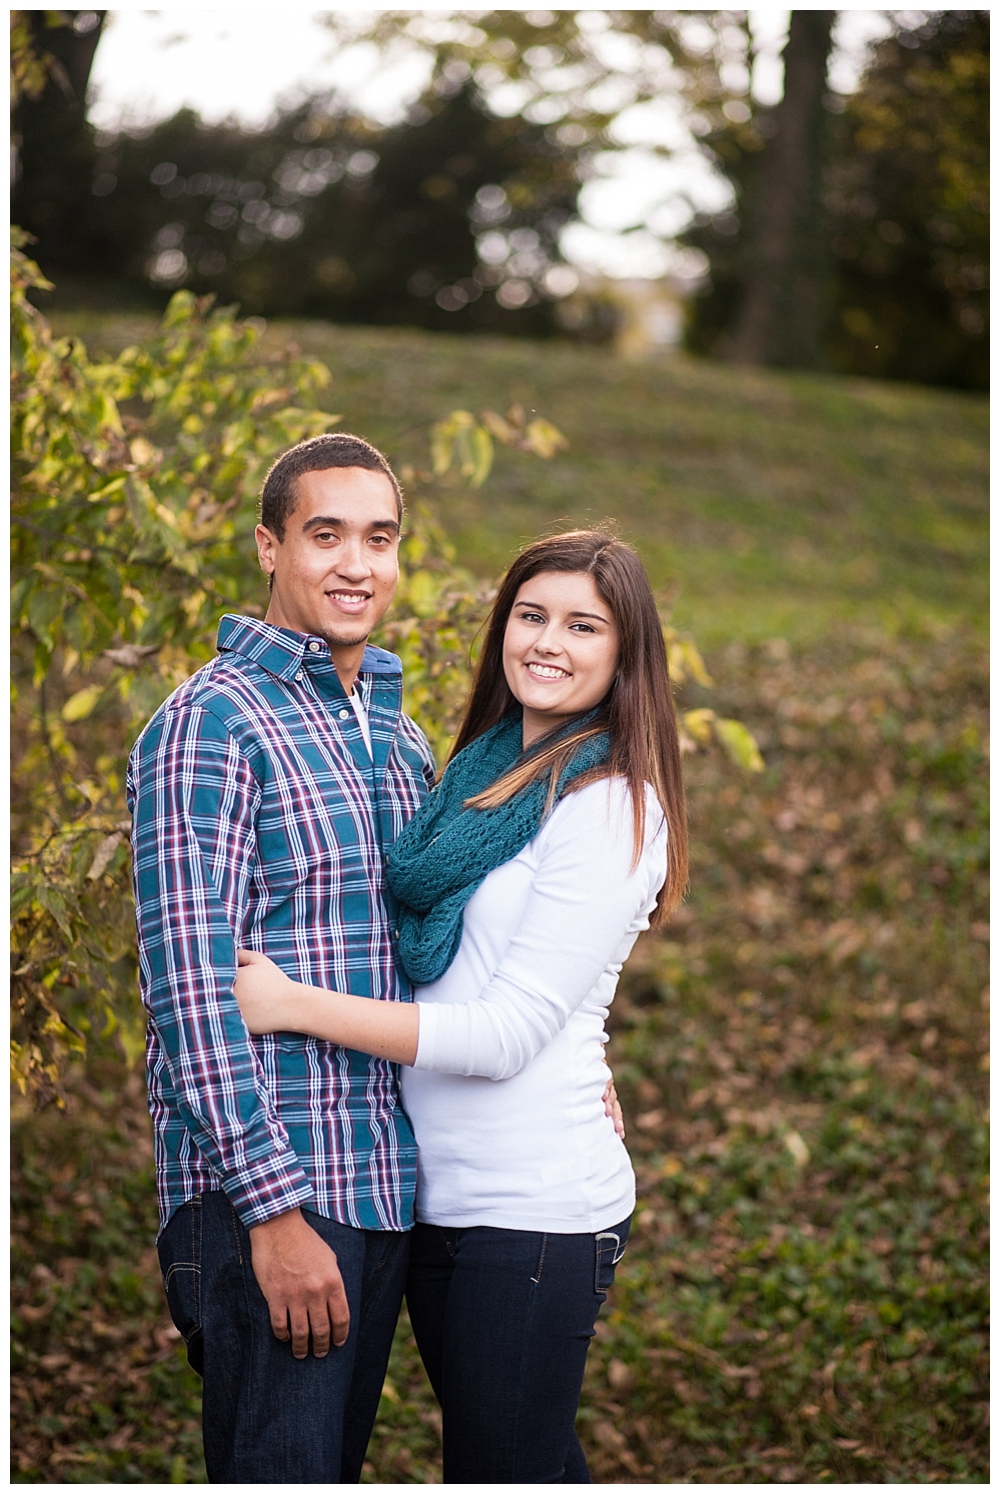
(532, 617)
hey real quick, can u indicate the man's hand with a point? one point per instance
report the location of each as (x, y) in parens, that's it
(299, 1276)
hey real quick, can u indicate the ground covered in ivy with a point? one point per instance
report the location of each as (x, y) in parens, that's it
(802, 1061)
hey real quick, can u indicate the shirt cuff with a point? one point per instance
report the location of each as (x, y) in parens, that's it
(424, 1058)
(268, 1187)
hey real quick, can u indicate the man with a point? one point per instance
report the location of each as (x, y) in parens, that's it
(263, 793)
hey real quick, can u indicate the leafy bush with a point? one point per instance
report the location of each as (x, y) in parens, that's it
(133, 506)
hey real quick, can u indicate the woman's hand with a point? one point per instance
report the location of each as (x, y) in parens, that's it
(264, 993)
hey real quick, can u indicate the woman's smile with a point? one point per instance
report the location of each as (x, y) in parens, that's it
(540, 671)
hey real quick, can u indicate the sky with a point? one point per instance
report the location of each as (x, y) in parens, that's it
(241, 62)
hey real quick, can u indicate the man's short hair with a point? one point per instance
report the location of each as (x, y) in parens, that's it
(319, 454)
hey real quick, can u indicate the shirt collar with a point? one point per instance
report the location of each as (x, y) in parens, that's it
(282, 652)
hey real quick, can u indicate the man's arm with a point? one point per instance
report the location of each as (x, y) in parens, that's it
(194, 800)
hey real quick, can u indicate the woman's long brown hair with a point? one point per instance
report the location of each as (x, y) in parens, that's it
(637, 712)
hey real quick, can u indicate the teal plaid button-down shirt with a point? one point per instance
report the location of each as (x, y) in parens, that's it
(260, 820)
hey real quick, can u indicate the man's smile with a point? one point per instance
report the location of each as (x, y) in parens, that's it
(349, 601)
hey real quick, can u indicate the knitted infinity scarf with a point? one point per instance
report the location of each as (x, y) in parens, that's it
(446, 851)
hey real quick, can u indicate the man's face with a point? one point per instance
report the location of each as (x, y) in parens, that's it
(336, 569)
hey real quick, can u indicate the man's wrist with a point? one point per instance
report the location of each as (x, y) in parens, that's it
(277, 1223)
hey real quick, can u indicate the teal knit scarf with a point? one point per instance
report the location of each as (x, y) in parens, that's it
(446, 851)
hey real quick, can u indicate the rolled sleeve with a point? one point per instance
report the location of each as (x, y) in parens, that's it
(195, 799)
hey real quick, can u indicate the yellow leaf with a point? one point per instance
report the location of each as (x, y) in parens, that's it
(443, 438)
(442, 446)
(80, 705)
(143, 452)
(498, 427)
(114, 486)
(698, 724)
(740, 743)
(695, 663)
(797, 1147)
(544, 439)
(476, 453)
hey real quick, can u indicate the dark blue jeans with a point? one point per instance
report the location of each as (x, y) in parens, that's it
(269, 1418)
(503, 1319)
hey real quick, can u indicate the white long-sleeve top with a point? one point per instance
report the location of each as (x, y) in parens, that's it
(505, 1095)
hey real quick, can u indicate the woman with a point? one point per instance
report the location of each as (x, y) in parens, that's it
(555, 836)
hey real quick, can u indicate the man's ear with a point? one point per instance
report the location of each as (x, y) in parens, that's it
(267, 546)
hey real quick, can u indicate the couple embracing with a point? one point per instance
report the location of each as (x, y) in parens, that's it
(376, 1006)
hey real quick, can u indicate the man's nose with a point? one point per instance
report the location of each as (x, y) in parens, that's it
(352, 561)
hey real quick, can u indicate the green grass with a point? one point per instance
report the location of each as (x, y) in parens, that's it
(764, 504)
(801, 1055)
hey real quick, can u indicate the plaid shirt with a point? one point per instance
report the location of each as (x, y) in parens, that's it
(259, 820)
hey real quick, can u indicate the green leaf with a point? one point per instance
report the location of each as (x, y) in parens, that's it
(55, 903)
(22, 892)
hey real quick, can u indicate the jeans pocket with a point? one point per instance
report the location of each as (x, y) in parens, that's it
(609, 1249)
(179, 1250)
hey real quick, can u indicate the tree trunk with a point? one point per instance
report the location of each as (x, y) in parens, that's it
(780, 317)
(55, 145)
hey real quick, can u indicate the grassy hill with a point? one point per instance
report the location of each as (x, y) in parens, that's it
(764, 504)
(802, 1055)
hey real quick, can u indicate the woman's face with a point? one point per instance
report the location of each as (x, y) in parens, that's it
(560, 649)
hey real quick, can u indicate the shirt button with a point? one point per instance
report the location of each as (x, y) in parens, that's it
(314, 647)
(298, 678)
(343, 715)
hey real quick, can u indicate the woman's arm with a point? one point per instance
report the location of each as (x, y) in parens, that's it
(585, 896)
(272, 1002)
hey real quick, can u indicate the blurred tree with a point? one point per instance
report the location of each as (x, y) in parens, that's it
(577, 72)
(448, 220)
(781, 310)
(905, 202)
(908, 198)
(52, 52)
